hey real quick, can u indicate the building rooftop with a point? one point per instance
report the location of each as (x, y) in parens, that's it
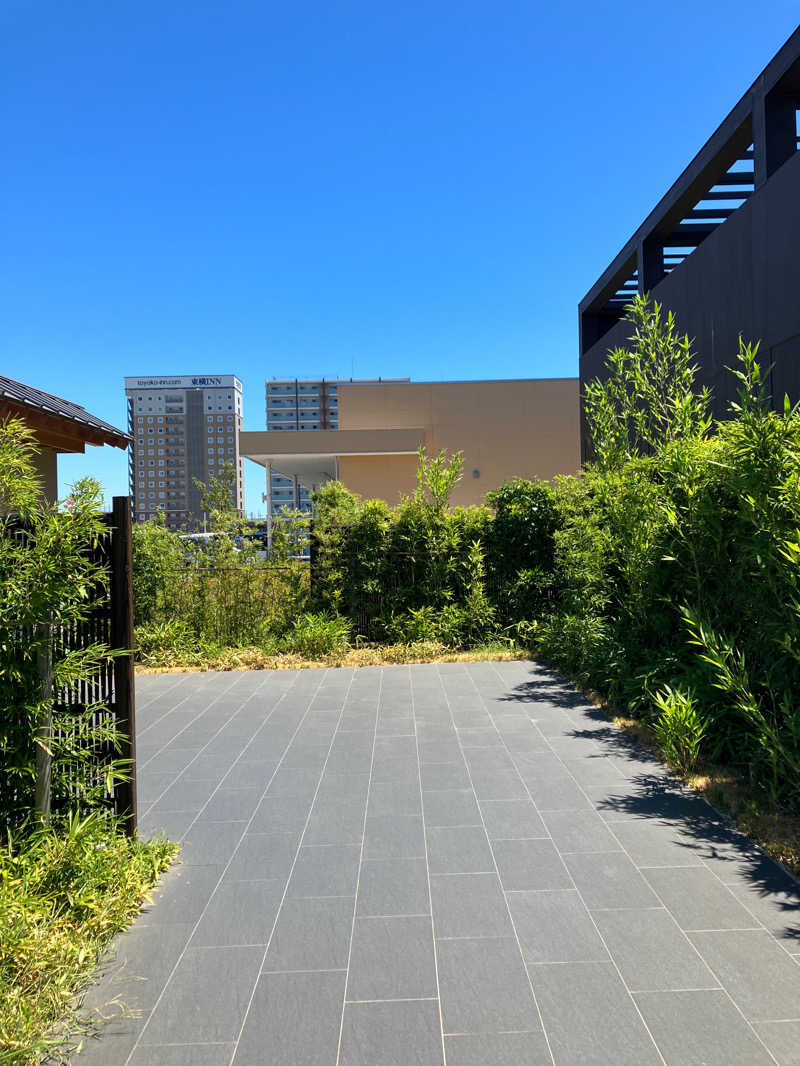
(54, 411)
(758, 135)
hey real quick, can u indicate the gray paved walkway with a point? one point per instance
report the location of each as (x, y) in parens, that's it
(412, 866)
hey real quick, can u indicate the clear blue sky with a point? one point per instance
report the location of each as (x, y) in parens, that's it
(377, 188)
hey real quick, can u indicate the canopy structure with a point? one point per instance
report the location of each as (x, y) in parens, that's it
(311, 457)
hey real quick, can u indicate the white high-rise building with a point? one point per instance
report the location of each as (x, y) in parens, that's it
(183, 427)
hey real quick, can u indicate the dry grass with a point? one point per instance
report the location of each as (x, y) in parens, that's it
(368, 655)
(777, 832)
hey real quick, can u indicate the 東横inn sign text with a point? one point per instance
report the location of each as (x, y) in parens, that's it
(186, 381)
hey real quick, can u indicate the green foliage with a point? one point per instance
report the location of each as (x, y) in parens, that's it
(218, 498)
(414, 572)
(677, 563)
(48, 584)
(648, 398)
(64, 892)
(437, 476)
(521, 547)
(315, 636)
(679, 727)
(157, 553)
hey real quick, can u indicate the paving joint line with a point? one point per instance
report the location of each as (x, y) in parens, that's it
(748, 1023)
(225, 867)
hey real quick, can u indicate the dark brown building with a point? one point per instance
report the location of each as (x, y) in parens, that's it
(722, 247)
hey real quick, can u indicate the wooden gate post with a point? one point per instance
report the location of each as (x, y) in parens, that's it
(122, 638)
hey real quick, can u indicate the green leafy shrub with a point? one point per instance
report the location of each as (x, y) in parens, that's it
(315, 636)
(64, 893)
(679, 727)
(676, 554)
(48, 584)
(521, 548)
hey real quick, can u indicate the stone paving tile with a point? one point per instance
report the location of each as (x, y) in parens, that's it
(183, 1055)
(512, 819)
(239, 912)
(390, 887)
(293, 1018)
(651, 951)
(328, 870)
(311, 934)
(555, 927)
(335, 821)
(394, 836)
(206, 998)
(391, 1034)
(460, 850)
(392, 958)
(700, 1027)
(498, 1049)
(579, 831)
(609, 880)
(761, 978)
(782, 1039)
(775, 902)
(262, 857)
(469, 905)
(589, 1016)
(529, 865)
(697, 900)
(451, 807)
(484, 987)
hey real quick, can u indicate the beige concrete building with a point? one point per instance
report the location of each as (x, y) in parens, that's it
(518, 428)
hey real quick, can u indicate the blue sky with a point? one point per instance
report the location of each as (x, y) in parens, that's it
(423, 189)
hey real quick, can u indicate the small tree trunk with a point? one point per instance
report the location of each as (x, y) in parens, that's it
(44, 725)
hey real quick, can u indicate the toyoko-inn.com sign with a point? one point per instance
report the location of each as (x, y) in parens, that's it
(186, 381)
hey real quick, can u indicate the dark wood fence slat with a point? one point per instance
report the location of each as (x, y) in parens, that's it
(122, 639)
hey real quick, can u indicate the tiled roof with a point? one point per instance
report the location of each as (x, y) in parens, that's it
(15, 392)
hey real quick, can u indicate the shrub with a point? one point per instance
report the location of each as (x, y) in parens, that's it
(63, 895)
(315, 636)
(49, 584)
(676, 556)
(679, 727)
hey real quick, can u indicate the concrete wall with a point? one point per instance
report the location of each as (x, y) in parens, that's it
(522, 428)
(383, 477)
(744, 278)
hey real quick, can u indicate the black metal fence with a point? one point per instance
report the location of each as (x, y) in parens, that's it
(110, 692)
